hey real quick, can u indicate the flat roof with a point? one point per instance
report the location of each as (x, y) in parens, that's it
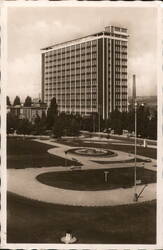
(94, 35)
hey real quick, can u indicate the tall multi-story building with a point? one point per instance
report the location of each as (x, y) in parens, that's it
(89, 74)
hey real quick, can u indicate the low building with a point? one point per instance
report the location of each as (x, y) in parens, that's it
(29, 113)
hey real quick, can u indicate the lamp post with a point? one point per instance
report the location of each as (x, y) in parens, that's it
(135, 189)
(135, 111)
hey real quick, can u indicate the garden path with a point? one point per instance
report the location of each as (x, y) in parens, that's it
(23, 182)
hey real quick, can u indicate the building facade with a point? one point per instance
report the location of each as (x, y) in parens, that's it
(29, 113)
(89, 74)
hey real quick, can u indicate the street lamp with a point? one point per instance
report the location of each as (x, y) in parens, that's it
(135, 110)
(135, 189)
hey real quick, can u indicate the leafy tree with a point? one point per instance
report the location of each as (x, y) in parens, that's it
(75, 127)
(131, 121)
(58, 127)
(152, 127)
(8, 101)
(17, 101)
(24, 127)
(12, 122)
(116, 121)
(66, 124)
(124, 120)
(142, 121)
(40, 124)
(28, 102)
(43, 121)
(37, 124)
(52, 113)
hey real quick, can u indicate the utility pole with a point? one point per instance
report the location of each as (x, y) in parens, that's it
(135, 111)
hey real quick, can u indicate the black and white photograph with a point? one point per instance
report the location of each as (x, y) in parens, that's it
(82, 124)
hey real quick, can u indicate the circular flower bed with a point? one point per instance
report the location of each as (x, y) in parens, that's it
(92, 152)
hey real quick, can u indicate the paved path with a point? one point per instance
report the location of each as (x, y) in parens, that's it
(23, 182)
(98, 140)
(89, 162)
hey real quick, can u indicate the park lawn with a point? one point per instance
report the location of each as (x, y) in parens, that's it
(35, 222)
(93, 180)
(26, 153)
(123, 161)
(147, 152)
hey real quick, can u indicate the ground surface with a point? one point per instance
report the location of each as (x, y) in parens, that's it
(24, 182)
(31, 154)
(93, 180)
(31, 221)
(35, 222)
(113, 145)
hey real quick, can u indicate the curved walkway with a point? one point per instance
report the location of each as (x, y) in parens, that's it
(23, 182)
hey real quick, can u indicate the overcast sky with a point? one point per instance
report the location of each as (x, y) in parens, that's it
(32, 28)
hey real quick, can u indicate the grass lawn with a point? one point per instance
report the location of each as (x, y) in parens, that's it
(123, 161)
(25, 153)
(94, 179)
(36, 222)
(147, 152)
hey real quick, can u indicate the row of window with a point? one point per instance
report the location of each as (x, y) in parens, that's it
(89, 45)
(119, 35)
(70, 60)
(79, 77)
(120, 29)
(72, 91)
(72, 83)
(77, 64)
(123, 43)
(80, 109)
(74, 70)
(70, 55)
(67, 91)
(78, 82)
(120, 56)
(72, 49)
(119, 63)
(84, 64)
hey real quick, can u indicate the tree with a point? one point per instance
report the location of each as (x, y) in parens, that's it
(28, 102)
(17, 101)
(152, 127)
(124, 120)
(143, 115)
(75, 127)
(52, 113)
(40, 124)
(12, 122)
(131, 121)
(43, 121)
(24, 127)
(116, 121)
(58, 127)
(8, 101)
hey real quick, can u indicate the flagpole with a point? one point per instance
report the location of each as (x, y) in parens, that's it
(135, 110)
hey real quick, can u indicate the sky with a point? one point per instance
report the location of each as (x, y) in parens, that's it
(32, 28)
